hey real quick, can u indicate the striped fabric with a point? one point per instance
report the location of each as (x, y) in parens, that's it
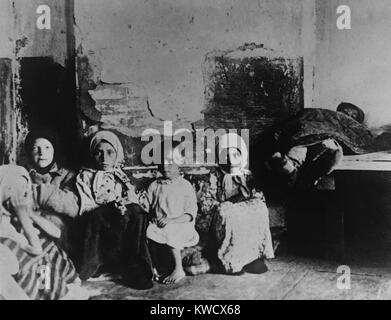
(44, 277)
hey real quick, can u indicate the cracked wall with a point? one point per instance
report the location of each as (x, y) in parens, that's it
(24, 94)
(42, 43)
(155, 53)
(8, 115)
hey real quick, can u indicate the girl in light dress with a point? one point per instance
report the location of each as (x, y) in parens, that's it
(172, 204)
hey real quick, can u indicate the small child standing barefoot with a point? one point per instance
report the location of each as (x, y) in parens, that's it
(172, 203)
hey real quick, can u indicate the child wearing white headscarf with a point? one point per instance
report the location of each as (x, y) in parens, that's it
(98, 187)
(112, 223)
(241, 224)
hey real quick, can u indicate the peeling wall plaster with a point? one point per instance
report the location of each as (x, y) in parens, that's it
(161, 46)
(7, 31)
(41, 43)
(21, 39)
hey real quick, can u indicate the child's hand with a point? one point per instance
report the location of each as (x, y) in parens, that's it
(128, 199)
(162, 222)
(121, 206)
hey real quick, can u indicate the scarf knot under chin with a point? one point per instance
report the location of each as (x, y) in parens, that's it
(50, 168)
(232, 184)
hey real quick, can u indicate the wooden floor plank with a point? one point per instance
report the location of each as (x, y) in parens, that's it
(288, 278)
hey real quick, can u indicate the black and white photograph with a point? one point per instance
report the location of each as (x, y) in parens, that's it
(213, 151)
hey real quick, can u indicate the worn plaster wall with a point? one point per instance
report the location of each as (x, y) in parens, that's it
(355, 65)
(7, 153)
(24, 45)
(33, 42)
(251, 88)
(158, 48)
(6, 29)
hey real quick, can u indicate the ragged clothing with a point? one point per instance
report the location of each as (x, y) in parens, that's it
(56, 199)
(111, 223)
(55, 191)
(241, 222)
(235, 187)
(312, 143)
(167, 198)
(16, 201)
(114, 241)
(308, 164)
(58, 176)
(45, 277)
(311, 126)
(97, 188)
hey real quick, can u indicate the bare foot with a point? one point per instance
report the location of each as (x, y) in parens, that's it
(174, 277)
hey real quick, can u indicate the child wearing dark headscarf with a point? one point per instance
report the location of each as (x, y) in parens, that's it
(55, 196)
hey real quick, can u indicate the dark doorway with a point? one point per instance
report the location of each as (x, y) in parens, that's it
(48, 94)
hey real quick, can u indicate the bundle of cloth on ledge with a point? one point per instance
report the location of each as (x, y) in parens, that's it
(311, 144)
(311, 126)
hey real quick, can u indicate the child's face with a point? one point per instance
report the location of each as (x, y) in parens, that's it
(105, 156)
(234, 158)
(351, 113)
(170, 167)
(231, 158)
(42, 153)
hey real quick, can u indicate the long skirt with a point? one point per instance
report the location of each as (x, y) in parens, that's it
(44, 277)
(113, 242)
(242, 234)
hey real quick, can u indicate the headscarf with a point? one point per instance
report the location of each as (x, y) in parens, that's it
(44, 133)
(111, 138)
(233, 140)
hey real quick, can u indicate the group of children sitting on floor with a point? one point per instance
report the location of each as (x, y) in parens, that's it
(65, 227)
